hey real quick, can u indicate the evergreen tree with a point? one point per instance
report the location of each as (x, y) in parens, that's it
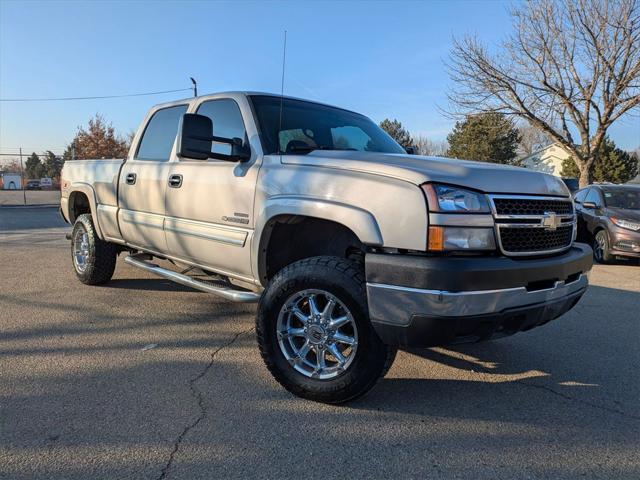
(487, 137)
(33, 166)
(52, 165)
(395, 129)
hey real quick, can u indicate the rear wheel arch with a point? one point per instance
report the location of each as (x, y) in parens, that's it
(78, 205)
(82, 200)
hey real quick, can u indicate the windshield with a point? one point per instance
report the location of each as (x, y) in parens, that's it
(627, 198)
(308, 126)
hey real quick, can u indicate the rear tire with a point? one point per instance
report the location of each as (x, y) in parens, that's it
(601, 248)
(94, 260)
(335, 287)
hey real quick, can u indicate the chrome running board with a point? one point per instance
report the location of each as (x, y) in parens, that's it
(239, 296)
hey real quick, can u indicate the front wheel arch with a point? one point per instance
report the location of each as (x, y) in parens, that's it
(602, 253)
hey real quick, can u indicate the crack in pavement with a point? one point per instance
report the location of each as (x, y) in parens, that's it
(197, 394)
(584, 402)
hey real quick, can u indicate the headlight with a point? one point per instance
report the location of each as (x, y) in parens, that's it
(446, 198)
(628, 224)
(460, 238)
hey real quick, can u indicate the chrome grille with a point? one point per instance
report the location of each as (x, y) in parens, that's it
(522, 206)
(527, 225)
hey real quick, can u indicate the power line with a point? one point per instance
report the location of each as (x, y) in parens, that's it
(90, 98)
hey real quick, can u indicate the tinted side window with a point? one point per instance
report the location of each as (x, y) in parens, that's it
(580, 196)
(593, 196)
(160, 133)
(227, 122)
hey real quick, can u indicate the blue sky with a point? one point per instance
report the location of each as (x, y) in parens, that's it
(383, 59)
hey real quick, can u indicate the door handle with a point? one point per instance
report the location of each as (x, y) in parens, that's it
(175, 181)
(131, 178)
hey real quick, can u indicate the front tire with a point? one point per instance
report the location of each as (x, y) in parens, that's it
(601, 249)
(314, 332)
(94, 260)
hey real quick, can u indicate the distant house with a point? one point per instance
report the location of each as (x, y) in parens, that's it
(547, 160)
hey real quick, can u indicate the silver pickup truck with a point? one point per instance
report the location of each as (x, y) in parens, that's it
(351, 246)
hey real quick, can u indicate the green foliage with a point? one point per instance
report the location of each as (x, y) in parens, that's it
(33, 167)
(487, 137)
(395, 129)
(612, 164)
(52, 165)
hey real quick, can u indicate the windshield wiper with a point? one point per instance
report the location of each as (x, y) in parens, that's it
(309, 148)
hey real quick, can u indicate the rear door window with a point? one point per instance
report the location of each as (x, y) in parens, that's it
(160, 133)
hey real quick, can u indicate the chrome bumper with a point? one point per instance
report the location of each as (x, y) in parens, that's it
(395, 305)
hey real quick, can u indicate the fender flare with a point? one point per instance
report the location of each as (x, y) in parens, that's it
(361, 222)
(90, 193)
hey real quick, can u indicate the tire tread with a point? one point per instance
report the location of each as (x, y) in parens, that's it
(341, 390)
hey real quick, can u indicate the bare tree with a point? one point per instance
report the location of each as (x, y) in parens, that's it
(427, 147)
(532, 139)
(570, 68)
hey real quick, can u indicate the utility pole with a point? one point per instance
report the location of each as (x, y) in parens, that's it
(24, 192)
(195, 86)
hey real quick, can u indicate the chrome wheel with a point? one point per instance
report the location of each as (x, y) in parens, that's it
(317, 334)
(80, 249)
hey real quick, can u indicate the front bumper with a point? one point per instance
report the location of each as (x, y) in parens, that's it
(624, 243)
(428, 301)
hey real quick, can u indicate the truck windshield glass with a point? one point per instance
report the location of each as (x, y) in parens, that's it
(308, 126)
(627, 198)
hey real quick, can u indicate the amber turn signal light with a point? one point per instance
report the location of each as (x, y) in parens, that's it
(436, 239)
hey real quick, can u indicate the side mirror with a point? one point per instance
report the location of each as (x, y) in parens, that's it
(196, 135)
(589, 205)
(411, 150)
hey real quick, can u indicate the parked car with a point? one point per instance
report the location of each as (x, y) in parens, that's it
(350, 245)
(609, 219)
(33, 185)
(46, 183)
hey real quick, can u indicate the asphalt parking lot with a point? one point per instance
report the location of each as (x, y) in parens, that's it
(84, 397)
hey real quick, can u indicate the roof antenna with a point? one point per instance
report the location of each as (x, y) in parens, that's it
(195, 86)
(284, 57)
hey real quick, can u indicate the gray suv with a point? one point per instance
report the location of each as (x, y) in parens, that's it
(609, 218)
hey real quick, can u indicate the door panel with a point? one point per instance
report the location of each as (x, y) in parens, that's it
(142, 209)
(210, 216)
(209, 213)
(143, 180)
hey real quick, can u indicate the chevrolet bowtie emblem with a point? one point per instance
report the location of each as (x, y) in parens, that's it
(550, 221)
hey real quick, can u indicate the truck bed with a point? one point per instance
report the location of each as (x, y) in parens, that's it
(98, 180)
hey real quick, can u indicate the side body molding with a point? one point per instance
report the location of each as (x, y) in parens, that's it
(360, 221)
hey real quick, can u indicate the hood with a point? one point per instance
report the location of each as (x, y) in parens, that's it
(487, 177)
(624, 213)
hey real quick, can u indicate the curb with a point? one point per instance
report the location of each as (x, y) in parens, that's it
(37, 205)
